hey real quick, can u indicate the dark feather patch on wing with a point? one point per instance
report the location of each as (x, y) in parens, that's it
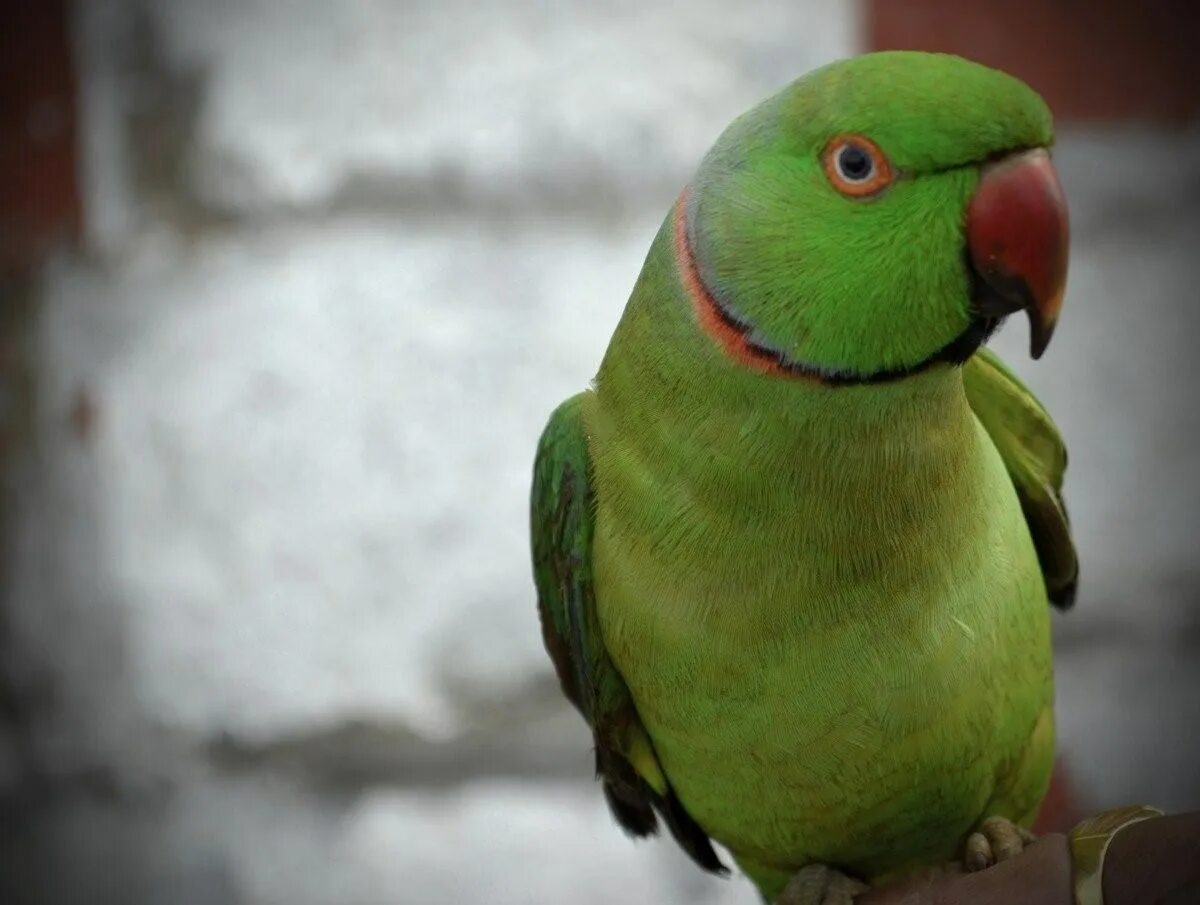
(626, 794)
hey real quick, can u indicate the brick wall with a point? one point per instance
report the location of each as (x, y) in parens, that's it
(1093, 60)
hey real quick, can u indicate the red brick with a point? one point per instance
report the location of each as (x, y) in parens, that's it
(39, 187)
(1093, 60)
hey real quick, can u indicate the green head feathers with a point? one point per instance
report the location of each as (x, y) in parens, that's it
(828, 225)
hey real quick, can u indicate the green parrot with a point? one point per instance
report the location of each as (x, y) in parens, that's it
(795, 548)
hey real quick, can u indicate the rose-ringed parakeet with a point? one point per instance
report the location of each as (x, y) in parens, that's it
(795, 548)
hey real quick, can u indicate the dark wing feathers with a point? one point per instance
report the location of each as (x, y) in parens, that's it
(1036, 459)
(562, 525)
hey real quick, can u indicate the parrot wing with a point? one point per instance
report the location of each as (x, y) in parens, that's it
(562, 523)
(1034, 454)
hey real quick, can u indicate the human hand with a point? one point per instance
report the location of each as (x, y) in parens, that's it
(1040, 875)
(1154, 861)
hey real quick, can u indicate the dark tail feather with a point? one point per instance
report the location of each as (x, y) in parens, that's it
(687, 832)
(633, 803)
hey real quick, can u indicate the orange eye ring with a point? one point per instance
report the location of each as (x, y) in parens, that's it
(856, 166)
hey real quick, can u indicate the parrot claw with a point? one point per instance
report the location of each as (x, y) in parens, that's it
(996, 840)
(817, 884)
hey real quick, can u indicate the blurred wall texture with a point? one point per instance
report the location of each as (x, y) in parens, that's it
(267, 630)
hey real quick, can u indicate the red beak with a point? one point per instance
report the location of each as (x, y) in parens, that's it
(1017, 237)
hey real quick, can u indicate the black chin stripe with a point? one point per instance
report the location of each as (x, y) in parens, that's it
(955, 352)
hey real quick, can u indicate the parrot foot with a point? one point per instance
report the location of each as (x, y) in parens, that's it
(817, 884)
(996, 840)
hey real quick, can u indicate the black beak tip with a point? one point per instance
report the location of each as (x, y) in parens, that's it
(1039, 334)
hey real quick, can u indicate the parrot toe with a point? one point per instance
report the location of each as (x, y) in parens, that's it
(817, 884)
(996, 840)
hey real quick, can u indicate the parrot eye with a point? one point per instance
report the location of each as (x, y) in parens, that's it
(856, 166)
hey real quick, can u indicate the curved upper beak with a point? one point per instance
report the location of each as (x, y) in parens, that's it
(1017, 237)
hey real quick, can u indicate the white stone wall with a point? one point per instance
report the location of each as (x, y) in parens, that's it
(270, 595)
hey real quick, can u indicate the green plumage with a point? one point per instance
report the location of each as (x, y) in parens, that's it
(810, 621)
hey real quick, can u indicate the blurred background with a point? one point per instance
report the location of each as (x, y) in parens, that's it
(288, 290)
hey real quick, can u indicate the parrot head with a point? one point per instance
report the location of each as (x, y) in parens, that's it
(876, 217)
